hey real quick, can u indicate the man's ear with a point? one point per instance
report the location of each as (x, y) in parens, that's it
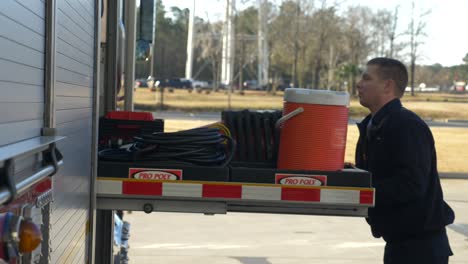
(390, 87)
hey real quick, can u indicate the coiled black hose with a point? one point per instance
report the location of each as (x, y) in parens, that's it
(199, 146)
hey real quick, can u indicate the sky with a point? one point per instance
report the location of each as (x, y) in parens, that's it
(447, 37)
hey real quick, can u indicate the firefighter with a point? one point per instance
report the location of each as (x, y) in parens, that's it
(397, 147)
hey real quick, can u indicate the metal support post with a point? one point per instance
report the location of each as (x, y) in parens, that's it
(49, 119)
(104, 237)
(49, 89)
(130, 30)
(111, 80)
(94, 144)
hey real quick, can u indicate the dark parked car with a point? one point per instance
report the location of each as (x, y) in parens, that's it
(283, 84)
(251, 85)
(141, 83)
(174, 83)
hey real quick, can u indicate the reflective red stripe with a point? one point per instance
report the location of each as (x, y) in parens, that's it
(366, 197)
(222, 191)
(43, 186)
(142, 188)
(295, 194)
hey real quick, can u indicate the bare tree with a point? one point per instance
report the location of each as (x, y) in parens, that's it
(392, 36)
(290, 32)
(416, 32)
(327, 36)
(246, 48)
(210, 46)
(382, 27)
(358, 41)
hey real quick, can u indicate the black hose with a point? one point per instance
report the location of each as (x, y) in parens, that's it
(200, 146)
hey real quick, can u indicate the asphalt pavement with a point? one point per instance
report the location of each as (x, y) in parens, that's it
(241, 238)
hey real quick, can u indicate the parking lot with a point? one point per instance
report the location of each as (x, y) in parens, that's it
(240, 238)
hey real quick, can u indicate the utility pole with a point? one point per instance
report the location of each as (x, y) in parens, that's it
(413, 47)
(153, 44)
(262, 69)
(189, 63)
(227, 61)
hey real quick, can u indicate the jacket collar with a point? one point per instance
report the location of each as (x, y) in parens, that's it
(388, 108)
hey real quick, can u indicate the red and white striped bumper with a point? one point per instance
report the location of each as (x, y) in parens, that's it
(237, 191)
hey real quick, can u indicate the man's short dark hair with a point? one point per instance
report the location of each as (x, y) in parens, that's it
(392, 69)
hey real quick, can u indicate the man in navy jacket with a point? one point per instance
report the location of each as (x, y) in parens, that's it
(397, 147)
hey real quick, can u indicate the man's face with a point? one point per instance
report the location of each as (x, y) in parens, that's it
(371, 88)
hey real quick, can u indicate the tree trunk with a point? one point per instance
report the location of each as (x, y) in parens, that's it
(318, 68)
(241, 66)
(330, 67)
(214, 74)
(318, 61)
(294, 73)
(413, 64)
(296, 46)
(353, 84)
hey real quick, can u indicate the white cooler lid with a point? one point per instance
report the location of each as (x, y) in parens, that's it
(322, 97)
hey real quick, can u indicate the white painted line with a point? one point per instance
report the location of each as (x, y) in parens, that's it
(191, 246)
(360, 244)
(460, 228)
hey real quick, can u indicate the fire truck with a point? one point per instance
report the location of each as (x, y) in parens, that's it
(62, 63)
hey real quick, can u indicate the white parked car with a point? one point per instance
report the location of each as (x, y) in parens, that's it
(200, 84)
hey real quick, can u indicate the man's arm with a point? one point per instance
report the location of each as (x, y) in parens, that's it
(410, 149)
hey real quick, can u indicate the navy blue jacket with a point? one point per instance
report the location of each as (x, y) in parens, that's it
(399, 151)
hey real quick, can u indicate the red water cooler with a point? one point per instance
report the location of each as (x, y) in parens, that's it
(313, 130)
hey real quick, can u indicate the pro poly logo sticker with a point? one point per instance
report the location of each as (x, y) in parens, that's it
(155, 174)
(300, 179)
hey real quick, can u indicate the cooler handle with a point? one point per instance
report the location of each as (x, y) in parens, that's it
(288, 116)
